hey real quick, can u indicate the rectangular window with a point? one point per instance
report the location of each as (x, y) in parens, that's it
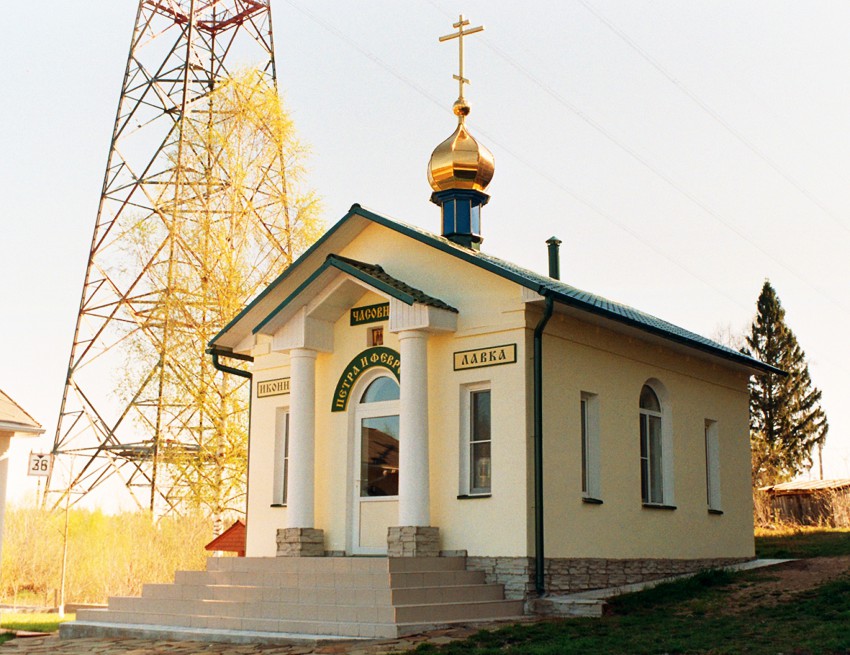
(712, 466)
(475, 440)
(590, 473)
(281, 456)
(479, 442)
(584, 449)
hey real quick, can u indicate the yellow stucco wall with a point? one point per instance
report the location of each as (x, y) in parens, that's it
(578, 357)
(493, 316)
(582, 358)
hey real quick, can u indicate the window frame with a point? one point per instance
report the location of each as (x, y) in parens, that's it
(280, 480)
(664, 462)
(465, 488)
(372, 409)
(591, 483)
(712, 467)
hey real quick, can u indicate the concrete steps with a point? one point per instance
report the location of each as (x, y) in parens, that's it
(342, 597)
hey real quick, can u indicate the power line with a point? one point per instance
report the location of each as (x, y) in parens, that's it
(716, 116)
(634, 154)
(597, 127)
(504, 148)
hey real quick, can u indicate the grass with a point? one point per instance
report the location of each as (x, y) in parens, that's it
(34, 622)
(650, 623)
(802, 542)
(689, 617)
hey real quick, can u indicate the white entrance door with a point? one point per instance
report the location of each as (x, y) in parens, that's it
(375, 466)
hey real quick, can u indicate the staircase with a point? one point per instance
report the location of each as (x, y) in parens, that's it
(325, 596)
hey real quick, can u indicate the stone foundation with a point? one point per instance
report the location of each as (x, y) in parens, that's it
(571, 575)
(300, 542)
(413, 541)
(515, 573)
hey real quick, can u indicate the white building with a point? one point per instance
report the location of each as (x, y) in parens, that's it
(14, 422)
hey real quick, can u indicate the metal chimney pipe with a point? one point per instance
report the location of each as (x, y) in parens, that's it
(554, 244)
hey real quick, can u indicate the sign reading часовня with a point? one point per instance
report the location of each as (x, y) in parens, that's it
(277, 387)
(369, 358)
(370, 314)
(480, 357)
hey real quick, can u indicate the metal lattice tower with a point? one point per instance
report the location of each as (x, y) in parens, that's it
(179, 52)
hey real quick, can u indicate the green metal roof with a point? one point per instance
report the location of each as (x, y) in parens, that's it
(560, 292)
(377, 277)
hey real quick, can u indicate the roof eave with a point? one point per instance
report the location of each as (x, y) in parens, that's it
(753, 365)
(20, 428)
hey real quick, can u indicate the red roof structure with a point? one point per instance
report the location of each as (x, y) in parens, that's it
(231, 540)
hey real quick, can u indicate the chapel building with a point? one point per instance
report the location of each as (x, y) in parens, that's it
(414, 396)
(438, 436)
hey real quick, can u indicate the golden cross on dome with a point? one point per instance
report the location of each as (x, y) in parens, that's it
(459, 36)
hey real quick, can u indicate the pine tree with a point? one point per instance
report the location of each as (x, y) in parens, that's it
(786, 419)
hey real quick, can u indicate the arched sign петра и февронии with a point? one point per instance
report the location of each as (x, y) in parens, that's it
(369, 358)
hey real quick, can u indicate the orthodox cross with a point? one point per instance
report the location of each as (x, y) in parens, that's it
(459, 36)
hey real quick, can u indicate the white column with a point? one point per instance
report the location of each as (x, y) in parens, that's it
(414, 499)
(302, 428)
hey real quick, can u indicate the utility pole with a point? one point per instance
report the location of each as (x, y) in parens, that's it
(179, 51)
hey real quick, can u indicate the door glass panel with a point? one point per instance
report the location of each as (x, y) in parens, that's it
(379, 456)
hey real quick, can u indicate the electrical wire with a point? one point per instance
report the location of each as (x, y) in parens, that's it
(634, 154)
(716, 116)
(541, 173)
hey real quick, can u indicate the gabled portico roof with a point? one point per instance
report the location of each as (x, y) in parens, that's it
(358, 219)
(371, 275)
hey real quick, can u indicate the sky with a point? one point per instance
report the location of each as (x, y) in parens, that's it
(683, 153)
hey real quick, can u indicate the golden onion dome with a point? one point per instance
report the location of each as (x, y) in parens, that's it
(460, 162)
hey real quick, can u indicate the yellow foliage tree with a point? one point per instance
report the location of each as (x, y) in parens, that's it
(233, 214)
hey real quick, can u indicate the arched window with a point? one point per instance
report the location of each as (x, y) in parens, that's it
(382, 389)
(378, 418)
(651, 447)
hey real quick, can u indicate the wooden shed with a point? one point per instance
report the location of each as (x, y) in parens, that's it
(811, 502)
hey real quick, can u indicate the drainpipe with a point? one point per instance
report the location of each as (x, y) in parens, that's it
(249, 376)
(553, 244)
(539, 583)
(229, 369)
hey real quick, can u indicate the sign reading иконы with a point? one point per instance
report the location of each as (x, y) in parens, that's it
(480, 357)
(276, 387)
(370, 314)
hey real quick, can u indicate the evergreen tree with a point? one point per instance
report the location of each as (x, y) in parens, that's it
(786, 419)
